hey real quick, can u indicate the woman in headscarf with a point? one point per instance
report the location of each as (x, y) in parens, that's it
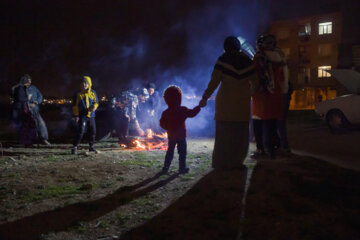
(235, 73)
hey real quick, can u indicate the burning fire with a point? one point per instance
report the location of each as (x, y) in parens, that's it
(152, 141)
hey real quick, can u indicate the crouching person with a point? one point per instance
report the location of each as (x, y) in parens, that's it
(85, 103)
(173, 121)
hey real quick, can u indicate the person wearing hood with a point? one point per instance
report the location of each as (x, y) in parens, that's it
(268, 105)
(27, 98)
(173, 121)
(235, 73)
(85, 103)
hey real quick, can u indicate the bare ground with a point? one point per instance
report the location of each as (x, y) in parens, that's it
(46, 190)
(118, 194)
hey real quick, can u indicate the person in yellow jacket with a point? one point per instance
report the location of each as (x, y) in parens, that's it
(85, 103)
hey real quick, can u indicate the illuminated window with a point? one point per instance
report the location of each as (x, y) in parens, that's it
(325, 50)
(304, 30)
(322, 73)
(325, 28)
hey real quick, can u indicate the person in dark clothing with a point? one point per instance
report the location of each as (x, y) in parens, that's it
(26, 112)
(20, 98)
(152, 107)
(173, 121)
(85, 103)
(141, 121)
(120, 116)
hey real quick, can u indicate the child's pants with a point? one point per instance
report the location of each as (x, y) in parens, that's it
(85, 123)
(181, 147)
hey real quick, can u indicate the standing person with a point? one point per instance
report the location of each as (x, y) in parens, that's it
(120, 115)
(34, 99)
(21, 117)
(173, 121)
(19, 100)
(153, 106)
(281, 123)
(235, 73)
(85, 103)
(28, 112)
(268, 102)
(142, 115)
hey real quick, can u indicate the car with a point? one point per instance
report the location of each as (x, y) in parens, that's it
(344, 111)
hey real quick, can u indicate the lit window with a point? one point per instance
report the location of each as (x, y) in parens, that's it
(322, 73)
(304, 30)
(325, 50)
(325, 28)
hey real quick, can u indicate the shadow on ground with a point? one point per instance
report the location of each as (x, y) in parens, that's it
(62, 218)
(302, 198)
(211, 209)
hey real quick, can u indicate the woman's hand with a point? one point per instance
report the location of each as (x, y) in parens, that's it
(202, 103)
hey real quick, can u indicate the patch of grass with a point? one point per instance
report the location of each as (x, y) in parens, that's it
(121, 218)
(146, 201)
(2, 161)
(142, 159)
(49, 192)
(52, 158)
(187, 177)
(104, 224)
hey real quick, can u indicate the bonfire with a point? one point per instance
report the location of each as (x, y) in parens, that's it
(151, 141)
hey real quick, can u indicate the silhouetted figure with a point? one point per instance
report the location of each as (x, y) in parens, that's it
(140, 121)
(173, 121)
(120, 114)
(85, 103)
(152, 107)
(26, 115)
(235, 73)
(268, 100)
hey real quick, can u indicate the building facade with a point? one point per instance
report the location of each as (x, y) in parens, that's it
(311, 45)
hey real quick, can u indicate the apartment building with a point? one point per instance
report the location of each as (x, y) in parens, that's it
(311, 45)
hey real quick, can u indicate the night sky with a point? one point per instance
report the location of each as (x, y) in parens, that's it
(121, 44)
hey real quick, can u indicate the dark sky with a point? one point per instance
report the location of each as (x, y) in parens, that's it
(123, 42)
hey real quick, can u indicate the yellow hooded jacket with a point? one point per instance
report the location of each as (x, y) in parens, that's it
(84, 101)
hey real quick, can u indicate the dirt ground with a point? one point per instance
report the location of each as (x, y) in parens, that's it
(47, 193)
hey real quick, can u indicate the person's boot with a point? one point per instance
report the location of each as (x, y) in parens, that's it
(92, 149)
(46, 142)
(74, 151)
(184, 170)
(165, 170)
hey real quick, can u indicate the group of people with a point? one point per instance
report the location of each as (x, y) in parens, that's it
(133, 112)
(255, 89)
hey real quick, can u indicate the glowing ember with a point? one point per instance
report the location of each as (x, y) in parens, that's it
(152, 141)
(149, 133)
(139, 145)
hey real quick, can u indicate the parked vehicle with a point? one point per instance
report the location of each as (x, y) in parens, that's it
(343, 111)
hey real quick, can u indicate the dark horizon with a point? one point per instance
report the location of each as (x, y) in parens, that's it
(123, 44)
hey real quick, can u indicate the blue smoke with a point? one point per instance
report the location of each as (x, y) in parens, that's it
(206, 30)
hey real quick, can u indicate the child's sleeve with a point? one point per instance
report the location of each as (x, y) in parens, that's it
(192, 112)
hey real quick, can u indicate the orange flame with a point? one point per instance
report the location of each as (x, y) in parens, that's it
(150, 133)
(151, 143)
